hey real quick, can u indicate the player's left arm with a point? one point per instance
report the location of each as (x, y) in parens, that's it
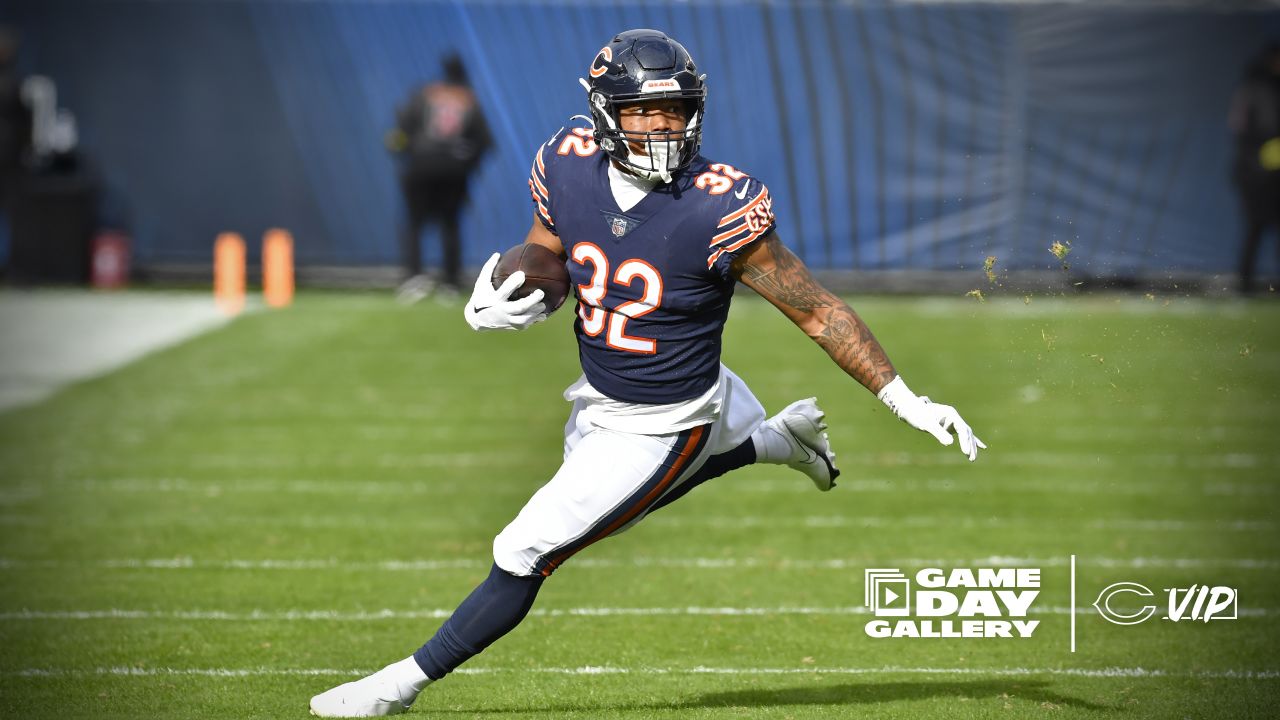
(780, 277)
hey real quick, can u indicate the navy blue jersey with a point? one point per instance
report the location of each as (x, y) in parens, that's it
(653, 282)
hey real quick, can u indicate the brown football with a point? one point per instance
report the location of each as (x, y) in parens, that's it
(543, 270)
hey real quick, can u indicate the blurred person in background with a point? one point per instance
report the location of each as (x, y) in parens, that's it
(1255, 123)
(441, 135)
(15, 127)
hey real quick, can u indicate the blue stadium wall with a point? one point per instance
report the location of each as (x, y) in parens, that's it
(894, 134)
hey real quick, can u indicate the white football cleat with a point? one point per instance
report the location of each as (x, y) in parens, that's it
(802, 424)
(374, 696)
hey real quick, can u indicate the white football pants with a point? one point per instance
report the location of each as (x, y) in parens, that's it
(609, 481)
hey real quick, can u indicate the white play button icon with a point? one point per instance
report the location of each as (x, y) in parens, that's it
(890, 596)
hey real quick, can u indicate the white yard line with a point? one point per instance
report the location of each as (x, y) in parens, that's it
(1105, 672)
(183, 562)
(54, 338)
(1081, 461)
(1159, 471)
(1053, 307)
(442, 613)
(22, 495)
(15, 518)
(31, 489)
(936, 521)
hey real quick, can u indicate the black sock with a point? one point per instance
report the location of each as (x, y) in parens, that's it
(492, 610)
(714, 467)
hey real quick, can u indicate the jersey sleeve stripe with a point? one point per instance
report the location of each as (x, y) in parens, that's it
(734, 246)
(542, 210)
(744, 209)
(728, 234)
(538, 189)
(538, 193)
(537, 185)
(748, 239)
(542, 204)
(711, 261)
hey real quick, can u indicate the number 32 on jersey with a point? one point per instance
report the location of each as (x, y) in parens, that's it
(596, 318)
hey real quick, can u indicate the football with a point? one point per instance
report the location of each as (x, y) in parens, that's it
(543, 270)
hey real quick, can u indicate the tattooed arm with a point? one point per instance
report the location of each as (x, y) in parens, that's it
(770, 269)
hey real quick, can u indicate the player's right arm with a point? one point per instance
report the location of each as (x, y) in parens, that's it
(780, 277)
(492, 308)
(540, 235)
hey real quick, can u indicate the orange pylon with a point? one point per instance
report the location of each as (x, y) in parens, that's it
(277, 267)
(228, 273)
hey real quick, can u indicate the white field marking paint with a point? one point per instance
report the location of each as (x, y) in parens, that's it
(1106, 672)
(761, 485)
(341, 486)
(1057, 487)
(1073, 602)
(20, 494)
(1056, 307)
(258, 460)
(441, 613)
(1071, 460)
(1138, 562)
(209, 520)
(1234, 488)
(1066, 461)
(53, 338)
(951, 522)
(692, 563)
(1182, 525)
(715, 522)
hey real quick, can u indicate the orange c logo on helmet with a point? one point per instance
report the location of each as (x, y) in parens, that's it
(600, 66)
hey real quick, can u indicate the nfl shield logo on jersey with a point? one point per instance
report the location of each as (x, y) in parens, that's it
(619, 225)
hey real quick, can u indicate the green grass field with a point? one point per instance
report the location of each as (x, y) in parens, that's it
(227, 527)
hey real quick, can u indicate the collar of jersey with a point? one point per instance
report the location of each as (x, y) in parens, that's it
(630, 183)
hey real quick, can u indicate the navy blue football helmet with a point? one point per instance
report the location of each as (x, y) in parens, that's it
(640, 65)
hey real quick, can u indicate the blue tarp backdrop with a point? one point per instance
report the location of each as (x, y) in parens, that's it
(924, 135)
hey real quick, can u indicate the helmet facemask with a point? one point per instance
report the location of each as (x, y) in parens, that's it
(661, 153)
(635, 67)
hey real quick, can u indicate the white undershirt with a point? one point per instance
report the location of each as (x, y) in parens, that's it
(599, 409)
(628, 190)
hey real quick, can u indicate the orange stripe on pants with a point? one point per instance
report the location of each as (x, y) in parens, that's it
(683, 458)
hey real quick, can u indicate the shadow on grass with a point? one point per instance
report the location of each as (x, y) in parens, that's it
(1038, 692)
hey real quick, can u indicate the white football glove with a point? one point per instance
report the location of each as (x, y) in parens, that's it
(490, 309)
(934, 418)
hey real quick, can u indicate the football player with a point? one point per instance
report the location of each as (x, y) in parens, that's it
(655, 237)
